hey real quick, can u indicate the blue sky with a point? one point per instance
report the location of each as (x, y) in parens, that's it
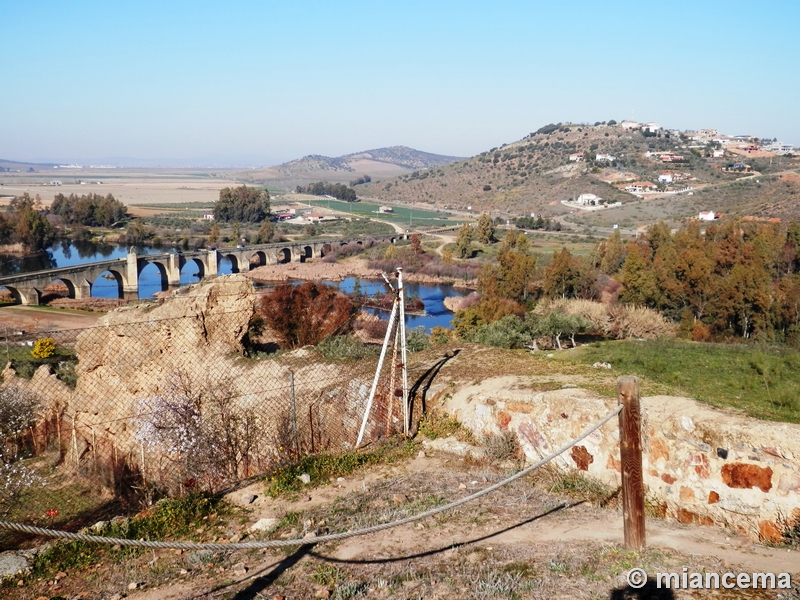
(262, 82)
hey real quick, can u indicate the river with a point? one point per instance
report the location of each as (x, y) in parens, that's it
(67, 254)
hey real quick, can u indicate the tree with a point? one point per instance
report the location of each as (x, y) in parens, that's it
(416, 244)
(213, 237)
(6, 230)
(561, 278)
(265, 233)
(554, 325)
(242, 204)
(464, 241)
(137, 233)
(485, 232)
(32, 229)
(658, 235)
(637, 278)
(237, 231)
(90, 210)
(613, 254)
(337, 190)
(447, 256)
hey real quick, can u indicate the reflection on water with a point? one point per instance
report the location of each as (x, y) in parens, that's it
(14, 265)
(432, 296)
(67, 254)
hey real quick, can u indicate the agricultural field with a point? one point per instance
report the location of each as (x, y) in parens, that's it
(414, 217)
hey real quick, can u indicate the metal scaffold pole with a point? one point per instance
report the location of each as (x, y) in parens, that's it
(377, 372)
(402, 326)
(399, 315)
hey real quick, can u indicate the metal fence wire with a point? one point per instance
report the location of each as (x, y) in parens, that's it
(94, 421)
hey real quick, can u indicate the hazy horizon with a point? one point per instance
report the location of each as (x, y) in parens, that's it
(258, 84)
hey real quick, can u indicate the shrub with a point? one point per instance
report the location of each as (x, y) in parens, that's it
(15, 481)
(701, 332)
(345, 347)
(44, 348)
(613, 320)
(303, 315)
(639, 322)
(417, 340)
(18, 411)
(508, 332)
(201, 428)
(441, 335)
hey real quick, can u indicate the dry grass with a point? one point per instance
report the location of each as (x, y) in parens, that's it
(614, 320)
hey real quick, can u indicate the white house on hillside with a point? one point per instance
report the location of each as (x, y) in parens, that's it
(707, 215)
(630, 125)
(577, 157)
(651, 127)
(605, 158)
(665, 178)
(588, 199)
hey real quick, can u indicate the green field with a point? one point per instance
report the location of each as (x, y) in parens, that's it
(412, 217)
(764, 382)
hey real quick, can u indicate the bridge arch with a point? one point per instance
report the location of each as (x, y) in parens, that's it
(236, 266)
(201, 267)
(54, 289)
(284, 255)
(306, 253)
(258, 259)
(162, 277)
(17, 295)
(96, 291)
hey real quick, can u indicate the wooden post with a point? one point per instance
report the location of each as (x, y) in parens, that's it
(630, 446)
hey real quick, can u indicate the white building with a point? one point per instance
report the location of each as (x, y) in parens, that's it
(577, 157)
(778, 148)
(651, 127)
(707, 215)
(605, 158)
(630, 125)
(588, 199)
(665, 178)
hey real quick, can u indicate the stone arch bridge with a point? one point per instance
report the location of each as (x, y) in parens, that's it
(28, 288)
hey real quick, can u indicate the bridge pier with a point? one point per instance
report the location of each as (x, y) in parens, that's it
(83, 290)
(30, 296)
(131, 282)
(174, 270)
(211, 264)
(27, 288)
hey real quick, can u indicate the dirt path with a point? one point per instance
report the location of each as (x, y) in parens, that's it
(570, 549)
(35, 319)
(519, 542)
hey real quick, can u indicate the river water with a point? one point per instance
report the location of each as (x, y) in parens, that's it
(67, 254)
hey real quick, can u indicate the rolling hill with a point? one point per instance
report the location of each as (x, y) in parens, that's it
(535, 174)
(377, 163)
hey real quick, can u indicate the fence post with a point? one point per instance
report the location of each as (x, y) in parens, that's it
(294, 417)
(630, 446)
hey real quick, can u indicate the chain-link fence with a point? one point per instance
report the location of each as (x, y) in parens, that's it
(157, 401)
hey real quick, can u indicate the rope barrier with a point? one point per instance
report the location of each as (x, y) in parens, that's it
(311, 540)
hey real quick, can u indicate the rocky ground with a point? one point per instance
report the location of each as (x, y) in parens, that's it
(317, 270)
(524, 541)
